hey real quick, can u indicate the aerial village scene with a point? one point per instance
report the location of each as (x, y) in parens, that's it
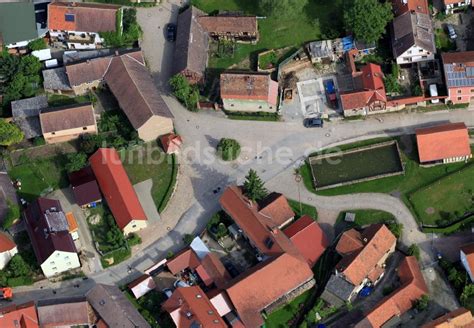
(236, 163)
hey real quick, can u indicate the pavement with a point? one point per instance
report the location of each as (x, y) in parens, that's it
(274, 149)
(143, 190)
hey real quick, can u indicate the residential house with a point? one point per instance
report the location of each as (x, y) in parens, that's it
(72, 224)
(132, 85)
(231, 27)
(78, 24)
(48, 230)
(248, 92)
(459, 76)
(25, 113)
(452, 5)
(403, 6)
(413, 38)
(141, 286)
(444, 143)
(276, 207)
(459, 318)
(19, 316)
(55, 80)
(467, 259)
(17, 26)
(67, 123)
(114, 309)
(190, 307)
(65, 312)
(306, 234)
(388, 310)
(8, 249)
(363, 261)
(85, 188)
(118, 191)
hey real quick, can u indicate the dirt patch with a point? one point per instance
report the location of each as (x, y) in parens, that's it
(430, 210)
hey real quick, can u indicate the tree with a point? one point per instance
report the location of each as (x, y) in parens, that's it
(188, 239)
(367, 19)
(228, 149)
(76, 161)
(422, 303)
(283, 8)
(467, 293)
(9, 133)
(30, 65)
(414, 250)
(186, 93)
(37, 44)
(18, 267)
(254, 187)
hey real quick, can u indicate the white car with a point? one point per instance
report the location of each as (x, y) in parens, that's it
(434, 93)
(452, 32)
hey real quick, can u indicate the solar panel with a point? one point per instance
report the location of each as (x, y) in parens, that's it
(69, 17)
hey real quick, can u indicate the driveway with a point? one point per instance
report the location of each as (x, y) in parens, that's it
(143, 190)
(7, 192)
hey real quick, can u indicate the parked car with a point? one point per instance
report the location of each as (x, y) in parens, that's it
(171, 32)
(434, 93)
(313, 122)
(168, 292)
(451, 32)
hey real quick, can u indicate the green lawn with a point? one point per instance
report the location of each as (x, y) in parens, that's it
(368, 216)
(446, 199)
(280, 318)
(40, 175)
(152, 164)
(305, 209)
(276, 32)
(347, 167)
(442, 40)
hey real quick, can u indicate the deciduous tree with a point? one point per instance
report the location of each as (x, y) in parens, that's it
(9, 133)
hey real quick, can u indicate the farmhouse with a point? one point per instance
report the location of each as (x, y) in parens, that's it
(8, 249)
(459, 76)
(401, 300)
(461, 317)
(445, 143)
(467, 259)
(413, 38)
(118, 191)
(363, 260)
(78, 24)
(452, 5)
(48, 230)
(248, 92)
(67, 123)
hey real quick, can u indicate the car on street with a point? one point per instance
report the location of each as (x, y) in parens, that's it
(171, 32)
(451, 32)
(313, 122)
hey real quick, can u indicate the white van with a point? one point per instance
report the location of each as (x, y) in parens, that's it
(434, 93)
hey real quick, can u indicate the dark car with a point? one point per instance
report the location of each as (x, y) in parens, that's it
(313, 123)
(171, 32)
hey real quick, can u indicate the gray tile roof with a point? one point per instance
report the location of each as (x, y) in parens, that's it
(412, 29)
(25, 114)
(340, 287)
(56, 79)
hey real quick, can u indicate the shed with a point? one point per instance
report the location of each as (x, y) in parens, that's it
(43, 54)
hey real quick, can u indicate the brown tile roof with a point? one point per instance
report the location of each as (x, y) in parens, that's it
(246, 86)
(65, 312)
(65, 118)
(88, 17)
(358, 265)
(261, 230)
(266, 283)
(403, 6)
(192, 43)
(277, 208)
(443, 141)
(88, 71)
(116, 187)
(401, 300)
(308, 237)
(6, 243)
(45, 244)
(229, 24)
(186, 259)
(412, 29)
(190, 307)
(84, 186)
(19, 316)
(459, 318)
(131, 83)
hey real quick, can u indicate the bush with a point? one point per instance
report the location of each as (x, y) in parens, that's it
(13, 214)
(76, 161)
(228, 149)
(39, 141)
(188, 239)
(133, 239)
(414, 250)
(186, 93)
(37, 44)
(422, 303)
(396, 229)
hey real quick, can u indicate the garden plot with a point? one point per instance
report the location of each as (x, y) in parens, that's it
(356, 165)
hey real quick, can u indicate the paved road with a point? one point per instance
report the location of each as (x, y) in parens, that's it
(270, 148)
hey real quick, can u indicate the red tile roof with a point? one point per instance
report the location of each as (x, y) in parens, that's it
(19, 316)
(468, 250)
(186, 259)
(215, 270)
(171, 143)
(6, 243)
(450, 2)
(349, 242)
(266, 283)
(443, 141)
(402, 6)
(356, 266)
(401, 300)
(277, 208)
(116, 187)
(190, 307)
(459, 318)
(248, 87)
(87, 17)
(308, 237)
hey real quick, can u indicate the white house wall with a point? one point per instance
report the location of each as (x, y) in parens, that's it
(60, 262)
(413, 55)
(6, 256)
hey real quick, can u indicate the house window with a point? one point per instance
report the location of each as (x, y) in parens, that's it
(134, 226)
(231, 105)
(409, 52)
(459, 98)
(472, 90)
(52, 263)
(68, 263)
(459, 92)
(53, 133)
(57, 254)
(84, 128)
(69, 17)
(420, 51)
(66, 258)
(259, 107)
(54, 269)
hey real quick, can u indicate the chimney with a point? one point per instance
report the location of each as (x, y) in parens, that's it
(365, 240)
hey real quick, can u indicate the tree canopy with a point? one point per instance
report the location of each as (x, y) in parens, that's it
(76, 161)
(9, 133)
(228, 149)
(282, 8)
(367, 19)
(186, 93)
(254, 187)
(37, 44)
